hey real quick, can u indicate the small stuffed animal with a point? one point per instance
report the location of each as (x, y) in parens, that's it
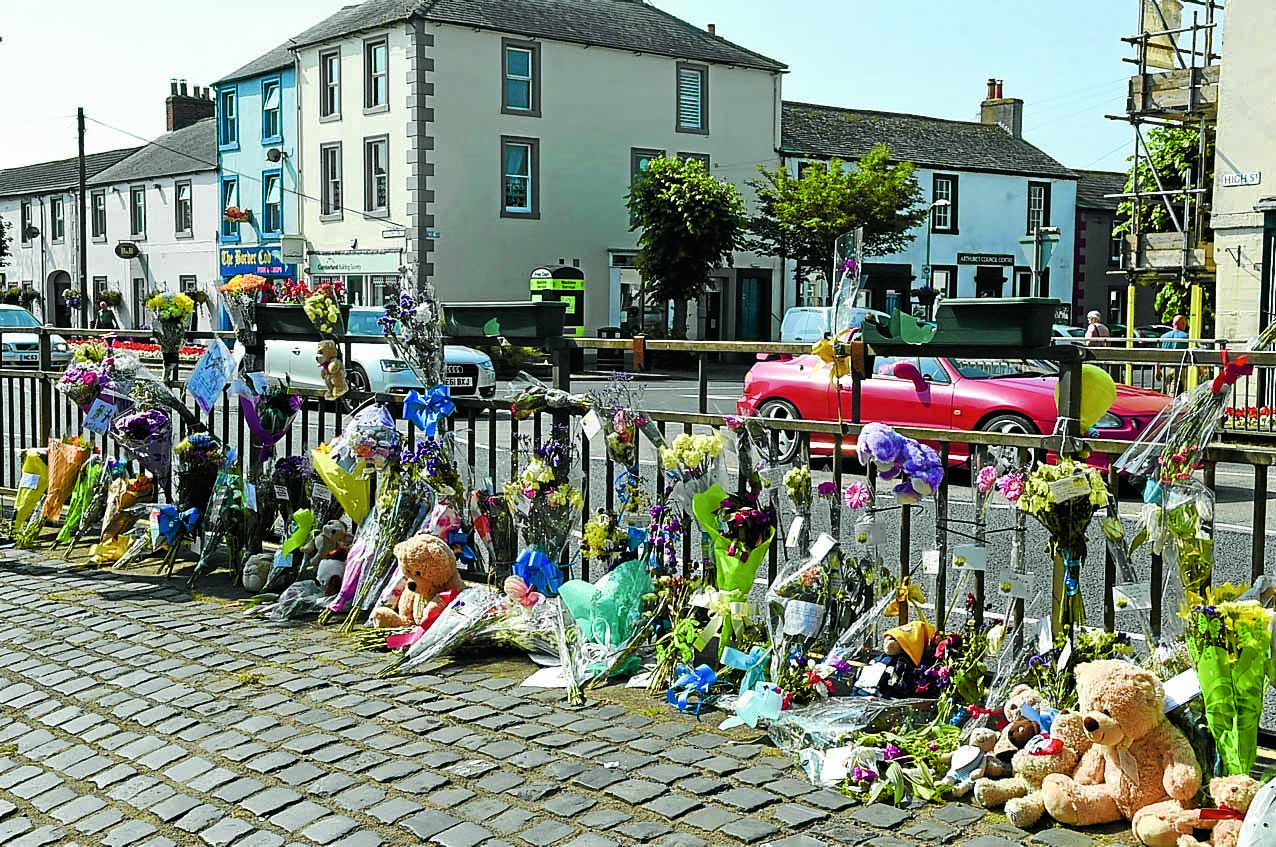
(256, 569)
(1140, 767)
(1013, 737)
(1055, 752)
(331, 539)
(334, 372)
(971, 762)
(1233, 796)
(893, 672)
(331, 573)
(432, 581)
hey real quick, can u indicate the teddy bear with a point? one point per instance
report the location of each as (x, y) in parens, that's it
(893, 672)
(256, 569)
(431, 581)
(1232, 798)
(1056, 751)
(327, 542)
(334, 372)
(972, 762)
(1140, 767)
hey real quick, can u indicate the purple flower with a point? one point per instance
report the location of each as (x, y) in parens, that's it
(733, 422)
(891, 753)
(1011, 486)
(987, 478)
(857, 495)
(880, 444)
(826, 489)
(863, 774)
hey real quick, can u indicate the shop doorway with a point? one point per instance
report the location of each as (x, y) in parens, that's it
(59, 285)
(989, 281)
(753, 312)
(888, 286)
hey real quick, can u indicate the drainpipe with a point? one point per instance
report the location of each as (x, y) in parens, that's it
(44, 281)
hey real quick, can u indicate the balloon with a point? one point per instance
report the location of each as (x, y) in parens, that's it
(1098, 393)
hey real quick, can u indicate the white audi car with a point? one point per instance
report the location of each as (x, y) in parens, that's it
(373, 366)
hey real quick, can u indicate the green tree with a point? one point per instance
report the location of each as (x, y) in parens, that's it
(1172, 155)
(800, 218)
(691, 223)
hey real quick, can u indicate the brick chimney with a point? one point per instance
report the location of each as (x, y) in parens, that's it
(183, 109)
(712, 28)
(1006, 112)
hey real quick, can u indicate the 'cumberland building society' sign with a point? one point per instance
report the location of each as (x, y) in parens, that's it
(263, 261)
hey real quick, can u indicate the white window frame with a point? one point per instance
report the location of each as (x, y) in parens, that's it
(532, 78)
(94, 232)
(25, 221)
(275, 114)
(944, 218)
(57, 219)
(682, 120)
(375, 100)
(373, 183)
(188, 230)
(330, 85)
(136, 213)
(228, 120)
(330, 182)
(532, 208)
(278, 205)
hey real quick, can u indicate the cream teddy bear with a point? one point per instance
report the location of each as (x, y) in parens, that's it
(1057, 751)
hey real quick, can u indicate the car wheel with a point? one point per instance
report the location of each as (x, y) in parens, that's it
(357, 379)
(783, 448)
(1008, 423)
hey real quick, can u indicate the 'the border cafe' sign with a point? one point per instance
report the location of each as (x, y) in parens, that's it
(263, 261)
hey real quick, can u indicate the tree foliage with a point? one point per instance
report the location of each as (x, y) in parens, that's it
(802, 217)
(690, 223)
(1172, 155)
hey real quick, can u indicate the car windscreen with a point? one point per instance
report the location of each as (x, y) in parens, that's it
(1003, 368)
(17, 318)
(365, 323)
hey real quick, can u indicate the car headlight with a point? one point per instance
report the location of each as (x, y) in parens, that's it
(393, 366)
(60, 347)
(1109, 421)
(486, 365)
(6, 347)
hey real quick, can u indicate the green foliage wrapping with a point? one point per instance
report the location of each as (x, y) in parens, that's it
(691, 223)
(801, 217)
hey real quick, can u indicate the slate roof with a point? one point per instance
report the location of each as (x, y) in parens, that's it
(1095, 184)
(938, 143)
(48, 177)
(190, 149)
(620, 24)
(279, 57)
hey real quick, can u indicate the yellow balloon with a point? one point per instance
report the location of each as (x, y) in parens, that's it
(1098, 393)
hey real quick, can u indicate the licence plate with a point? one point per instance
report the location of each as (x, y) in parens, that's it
(458, 382)
(28, 357)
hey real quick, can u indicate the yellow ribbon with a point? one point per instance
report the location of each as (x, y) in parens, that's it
(906, 592)
(725, 608)
(827, 353)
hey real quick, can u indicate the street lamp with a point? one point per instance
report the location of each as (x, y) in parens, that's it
(930, 217)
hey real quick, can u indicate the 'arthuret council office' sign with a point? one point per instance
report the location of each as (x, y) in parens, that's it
(263, 261)
(986, 259)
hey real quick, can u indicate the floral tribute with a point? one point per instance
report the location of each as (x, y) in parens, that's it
(914, 467)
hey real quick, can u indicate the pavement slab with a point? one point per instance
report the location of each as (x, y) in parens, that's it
(167, 718)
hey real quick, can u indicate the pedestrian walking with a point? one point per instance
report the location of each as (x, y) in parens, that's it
(1096, 331)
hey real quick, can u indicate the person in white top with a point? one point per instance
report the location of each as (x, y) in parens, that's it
(1096, 331)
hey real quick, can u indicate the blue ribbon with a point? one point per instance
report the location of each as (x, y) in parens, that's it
(461, 541)
(538, 572)
(691, 682)
(425, 411)
(1072, 576)
(171, 523)
(753, 663)
(637, 537)
(1043, 718)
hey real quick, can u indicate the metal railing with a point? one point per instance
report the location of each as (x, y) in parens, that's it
(491, 444)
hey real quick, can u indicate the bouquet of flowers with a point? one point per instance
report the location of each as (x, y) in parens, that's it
(82, 382)
(481, 616)
(291, 291)
(229, 521)
(530, 396)
(545, 504)
(431, 463)
(66, 457)
(695, 464)
(200, 458)
(82, 497)
(241, 294)
(269, 415)
(605, 540)
(797, 485)
(369, 437)
(412, 323)
(124, 494)
(290, 477)
(339, 482)
(1229, 637)
(914, 467)
(495, 532)
(320, 306)
(602, 622)
(1063, 498)
(146, 434)
(798, 604)
(129, 376)
(172, 317)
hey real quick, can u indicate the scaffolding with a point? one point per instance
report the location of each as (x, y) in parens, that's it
(1176, 86)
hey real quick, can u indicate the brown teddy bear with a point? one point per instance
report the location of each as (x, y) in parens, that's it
(334, 372)
(1057, 751)
(430, 581)
(1140, 766)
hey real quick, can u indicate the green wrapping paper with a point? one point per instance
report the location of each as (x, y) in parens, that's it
(1230, 644)
(733, 573)
(81, 496)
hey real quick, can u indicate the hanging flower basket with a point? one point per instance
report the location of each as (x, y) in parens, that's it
(72, 299)
(113, 299)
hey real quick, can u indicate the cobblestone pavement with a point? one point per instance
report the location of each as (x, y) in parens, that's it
(137, 714)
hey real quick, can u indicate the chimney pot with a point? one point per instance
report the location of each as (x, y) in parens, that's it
(713, 29)
(1000, 89)
(992, 89)
(182, 87)
(172, 87)
(187, 105)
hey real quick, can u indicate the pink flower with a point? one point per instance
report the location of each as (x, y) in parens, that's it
(1011, 486)
(857, 495)
(987, 478)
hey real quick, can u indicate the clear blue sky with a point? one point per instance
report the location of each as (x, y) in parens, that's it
(923, 56)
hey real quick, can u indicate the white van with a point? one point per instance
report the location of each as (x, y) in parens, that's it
(807, 324)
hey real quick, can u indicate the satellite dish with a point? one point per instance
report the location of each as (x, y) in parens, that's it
(274, 154)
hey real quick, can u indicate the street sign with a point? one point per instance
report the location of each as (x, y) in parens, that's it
(292, 249)
(127, 250)
(985, 259)
(1247, 178)
(394, 232)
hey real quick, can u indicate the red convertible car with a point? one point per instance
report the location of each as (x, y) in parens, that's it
(1014, 397)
